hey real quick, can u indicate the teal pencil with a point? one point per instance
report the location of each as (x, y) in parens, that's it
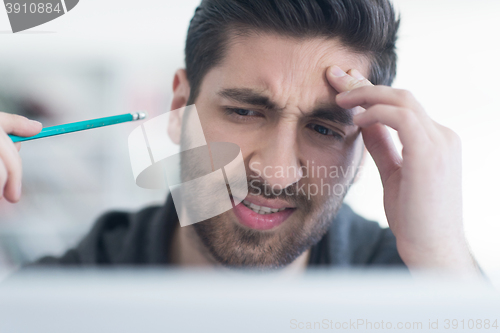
(81, 126)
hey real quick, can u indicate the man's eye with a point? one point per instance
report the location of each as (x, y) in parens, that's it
(321, 130)
(324, 131)
(242, 112)
(245, 112)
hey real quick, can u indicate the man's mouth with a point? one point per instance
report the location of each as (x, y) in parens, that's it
(258, 213)
(263, 210)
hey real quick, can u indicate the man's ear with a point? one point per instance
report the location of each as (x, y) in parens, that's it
(181, 91)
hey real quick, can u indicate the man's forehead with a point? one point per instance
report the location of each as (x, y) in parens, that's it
(279, 64)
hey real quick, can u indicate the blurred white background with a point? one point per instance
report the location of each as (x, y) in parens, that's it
(111, 57)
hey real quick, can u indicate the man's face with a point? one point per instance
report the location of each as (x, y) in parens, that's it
(270, 96)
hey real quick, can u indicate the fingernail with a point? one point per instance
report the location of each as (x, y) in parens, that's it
(337, 71)
(35, 122)
(19, 189)
(356, 74)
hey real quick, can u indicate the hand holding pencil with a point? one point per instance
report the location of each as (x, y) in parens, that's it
(15, 128)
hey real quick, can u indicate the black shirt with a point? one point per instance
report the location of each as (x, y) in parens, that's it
(144, 238)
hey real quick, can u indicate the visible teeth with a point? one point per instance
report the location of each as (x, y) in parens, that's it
(262, 209)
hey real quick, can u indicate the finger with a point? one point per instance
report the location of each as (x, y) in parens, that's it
(342, 81)
(3, 179)
(379, 144)
(12, 162)
(368, 96)
(410, 130)
(19, 125)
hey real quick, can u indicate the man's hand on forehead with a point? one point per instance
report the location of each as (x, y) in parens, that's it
(346, 81)
(422, 188)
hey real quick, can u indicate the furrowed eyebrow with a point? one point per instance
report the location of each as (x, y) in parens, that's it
(329, 112)
(248, 96)
(333, 113)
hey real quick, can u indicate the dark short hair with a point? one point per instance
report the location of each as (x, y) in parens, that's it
(366, 27)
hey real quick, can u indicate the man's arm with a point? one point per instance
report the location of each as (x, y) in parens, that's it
(422, 189)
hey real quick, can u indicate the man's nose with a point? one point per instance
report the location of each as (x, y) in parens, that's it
(277, 161)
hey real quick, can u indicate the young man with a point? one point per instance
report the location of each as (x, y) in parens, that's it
(297, 85)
